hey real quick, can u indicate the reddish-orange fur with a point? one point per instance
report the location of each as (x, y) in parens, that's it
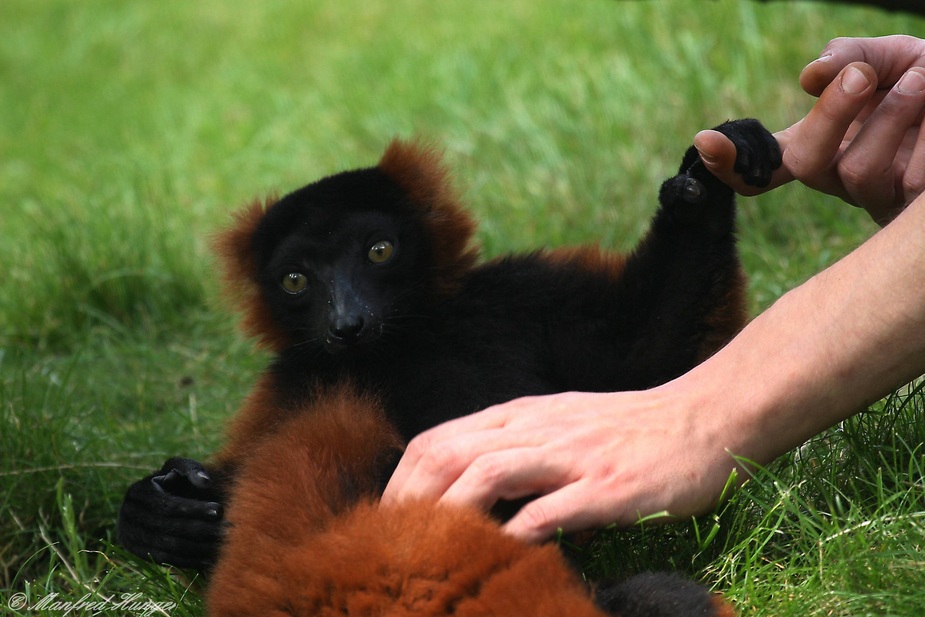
(421, 173)
(240, 275)
(589, 258)
(294, 548)
(722, 608)
(259, 416)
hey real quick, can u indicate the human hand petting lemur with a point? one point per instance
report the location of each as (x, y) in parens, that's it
(863, 140)
(594, 459)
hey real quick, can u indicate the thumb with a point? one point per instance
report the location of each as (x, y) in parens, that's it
(718, 154)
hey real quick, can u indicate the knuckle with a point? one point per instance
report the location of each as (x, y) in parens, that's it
(419, 446)
(838, 41)
(900, 108)
(489, 470)
(537, 519)
(604, 473)
(435, 459)
(422, 446)
(913, 184)
(855, 172)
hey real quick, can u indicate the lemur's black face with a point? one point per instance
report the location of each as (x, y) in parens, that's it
(342, 260)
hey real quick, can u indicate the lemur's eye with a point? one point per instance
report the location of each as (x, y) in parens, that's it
(294, 283)
(380, 252)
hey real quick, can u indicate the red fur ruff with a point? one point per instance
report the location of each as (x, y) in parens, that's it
(420, 172)
(290, 550)
(236, 255)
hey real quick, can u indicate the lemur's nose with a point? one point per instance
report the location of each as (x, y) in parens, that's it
(346, 328)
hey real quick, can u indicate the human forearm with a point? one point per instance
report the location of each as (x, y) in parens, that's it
(825, 350)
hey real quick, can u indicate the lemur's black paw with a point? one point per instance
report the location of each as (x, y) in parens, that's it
(695, 198)
(660, 594)
(757, 152)
(693, 191)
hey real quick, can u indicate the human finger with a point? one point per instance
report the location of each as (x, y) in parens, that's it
(440, 450)
(913, 183)
(718, 154)
(572, 508)
(871, 165)
(429, 466)
(814, 148)
(889, 56)
(436, 461)
(508, 474)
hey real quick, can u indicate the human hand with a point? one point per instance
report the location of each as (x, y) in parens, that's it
(592, 459)
(858, 143)
(890, 56)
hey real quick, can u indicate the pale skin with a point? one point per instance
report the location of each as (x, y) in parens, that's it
(823, 351)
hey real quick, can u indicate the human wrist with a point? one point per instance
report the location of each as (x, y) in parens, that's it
(759, 396)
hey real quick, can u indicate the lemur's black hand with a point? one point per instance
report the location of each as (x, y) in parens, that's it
(757, 152)
(696, 197)
(659, 594)
(174, 516)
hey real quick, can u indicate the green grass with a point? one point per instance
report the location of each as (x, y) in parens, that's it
(129, 130)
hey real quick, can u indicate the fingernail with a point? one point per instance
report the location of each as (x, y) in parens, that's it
(854, 81)
(706, 158)
(913, 82)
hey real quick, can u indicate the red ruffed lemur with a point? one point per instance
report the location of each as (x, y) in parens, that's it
(384, 322)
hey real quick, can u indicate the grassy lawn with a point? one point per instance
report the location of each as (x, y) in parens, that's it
(128, 131)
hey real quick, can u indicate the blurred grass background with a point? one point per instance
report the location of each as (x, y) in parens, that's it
(128, 131)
